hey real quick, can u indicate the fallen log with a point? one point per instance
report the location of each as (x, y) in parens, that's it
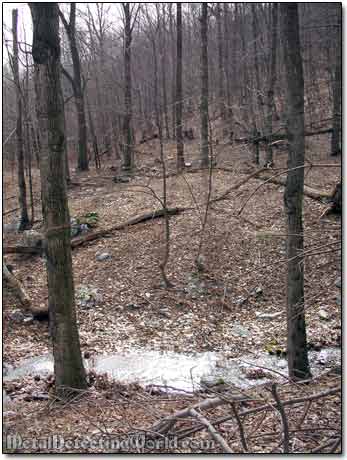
(21, 250)
(318, 195)
(278, 137)
(133, 221)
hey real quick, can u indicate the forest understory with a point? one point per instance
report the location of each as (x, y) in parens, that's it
(243, 276)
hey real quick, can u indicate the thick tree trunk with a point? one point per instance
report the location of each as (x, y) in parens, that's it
(337, 96)
(68, 365)
(298, 365)
(24, 218)
(179, 102)
(204, 87)
(272, 82)
(128, 135)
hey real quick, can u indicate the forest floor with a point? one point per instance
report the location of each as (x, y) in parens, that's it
(242, 254)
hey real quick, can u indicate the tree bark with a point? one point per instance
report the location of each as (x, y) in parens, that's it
(127, 127)
(298, 364)
(272, 82)
(68, 365)
(221, 92)
(204, 87)
(76, 81)
(24, 218)
(179, 102)
(337, 96)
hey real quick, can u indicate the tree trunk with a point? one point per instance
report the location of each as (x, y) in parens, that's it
(179, 102)
(24, 218)
(336, 134)
(221, 92)
(94, 138)
(298, 364)
(68, 365)
(82, 163)
(128, 136)
(162, 38)
(229, 110)
(272, 81)
(204, 87)
(259, 97)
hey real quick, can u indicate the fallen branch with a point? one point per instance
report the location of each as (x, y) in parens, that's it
(21, 250)
(263, 408)
(214, 433)
(238, 185)
(132, 221)
(279, 137)
(165, 425)
(286, 444)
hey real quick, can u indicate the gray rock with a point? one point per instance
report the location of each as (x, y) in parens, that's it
(88, 297)
(16, 316)
(40, 396)
(84, 228)
(240, 331)
(133, 306)
(121, 179)
(103, 256)
(28, 319)
(338, 300)
(338, 282)
(323, 314)
(258, 291)
(268, 316)
(240, 300)
(32, 238)
(75, 227)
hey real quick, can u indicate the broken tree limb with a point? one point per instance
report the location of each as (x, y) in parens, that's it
(16, 286)
(278, 137)
(165, 425)
(133, 221)
(238, 185)
(308, 191)
(318, 195)
(213, 432)
(21, 250)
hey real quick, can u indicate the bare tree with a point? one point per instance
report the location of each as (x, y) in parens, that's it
(24, 219)
(272, 82)
(76, 83)
(129, 22)
(179, 102)
(68, 365)
(204, 85)
(298, 365)
(221, 73)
